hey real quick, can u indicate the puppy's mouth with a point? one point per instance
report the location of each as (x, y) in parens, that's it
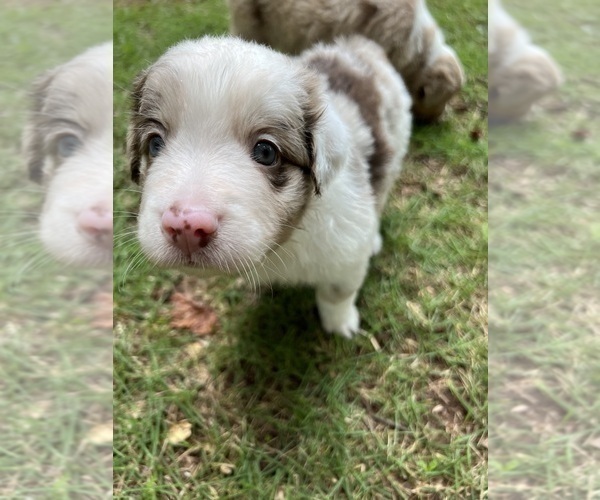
(201, 239)
(214, 262)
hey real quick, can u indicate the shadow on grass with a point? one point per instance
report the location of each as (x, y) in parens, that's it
(281, 378)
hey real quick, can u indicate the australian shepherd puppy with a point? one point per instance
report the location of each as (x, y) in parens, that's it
(410, 36)
(520, 73)
(267, 165)
(67, 143)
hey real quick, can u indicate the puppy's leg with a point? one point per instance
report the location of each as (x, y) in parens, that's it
(377, 244)
(336, 302)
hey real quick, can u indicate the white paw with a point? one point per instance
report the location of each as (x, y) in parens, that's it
(344, 321)
(377, 244)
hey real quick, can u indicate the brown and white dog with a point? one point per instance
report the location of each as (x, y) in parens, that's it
(404, 28)
(67, 143)
(520, 73)
(274, 167)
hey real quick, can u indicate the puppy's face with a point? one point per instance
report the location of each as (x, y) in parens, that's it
(68, 147)
(515, 87)
(230, 141)
(439, 81)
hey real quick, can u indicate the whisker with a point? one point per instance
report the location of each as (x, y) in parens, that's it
(124, 215)
(132, 263)
(36, 260)
(19, 212)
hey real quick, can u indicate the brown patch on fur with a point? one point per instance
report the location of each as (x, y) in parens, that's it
(33, 139)
(134, 135)
(312, 114)
(291, 222)
(344, 79)
(368, 12)
(257, 13)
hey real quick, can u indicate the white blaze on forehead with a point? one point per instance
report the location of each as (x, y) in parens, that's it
(253, 88)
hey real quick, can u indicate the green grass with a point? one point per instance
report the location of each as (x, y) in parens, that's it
(544, 344)
(278, 408)
(55, 365)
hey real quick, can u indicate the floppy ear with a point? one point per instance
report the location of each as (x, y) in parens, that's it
(32, 141)
(326, 136)
(134, 153)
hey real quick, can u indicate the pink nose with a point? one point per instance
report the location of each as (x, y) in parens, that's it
(189, 228)
(96, 222)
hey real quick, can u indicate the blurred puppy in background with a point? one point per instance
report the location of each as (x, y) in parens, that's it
(274, 167)
(67, 144)
(520, 73)
(405, 29)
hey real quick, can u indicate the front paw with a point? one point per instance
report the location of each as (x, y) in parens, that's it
(344, 321)
(376, 245)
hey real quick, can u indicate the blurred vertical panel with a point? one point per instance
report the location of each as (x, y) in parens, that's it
(55, 249)
(544, 170)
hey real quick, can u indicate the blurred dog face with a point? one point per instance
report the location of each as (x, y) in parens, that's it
(520, 73)
(515, 87)
(437, 83)
(68, 148)
(230, 141)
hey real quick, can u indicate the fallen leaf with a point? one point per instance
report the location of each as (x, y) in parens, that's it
(417, 312)
(594, 443)
(100, 434)
(519, 409)
(199, 375)
(39, 409)
(226, 469)
(179, 432)
(137, 410)
(438, 409)
(580, 135)
(476, 134)
(193, 315)
(194, 350)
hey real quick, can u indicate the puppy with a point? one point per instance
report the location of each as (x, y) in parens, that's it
(67, 144)
(404, 28)
(520, 73)
(275, 167)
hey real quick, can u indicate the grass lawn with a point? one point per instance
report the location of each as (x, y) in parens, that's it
(272, 407)
(55, 360)
(544, 241)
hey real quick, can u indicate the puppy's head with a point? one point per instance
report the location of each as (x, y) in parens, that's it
(230, 142)
(67, 144)
(516, 86)
(441, 79)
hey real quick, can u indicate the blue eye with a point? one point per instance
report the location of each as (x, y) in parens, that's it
(67, 145)
(155, 145)
(265, 153)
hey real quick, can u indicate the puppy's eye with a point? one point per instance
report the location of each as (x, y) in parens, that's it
(155, 145)
(67, 145)
(265, 153)
(421, 93)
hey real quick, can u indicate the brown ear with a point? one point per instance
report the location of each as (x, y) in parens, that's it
(134, 153)
(325, 135)
(32, 141)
